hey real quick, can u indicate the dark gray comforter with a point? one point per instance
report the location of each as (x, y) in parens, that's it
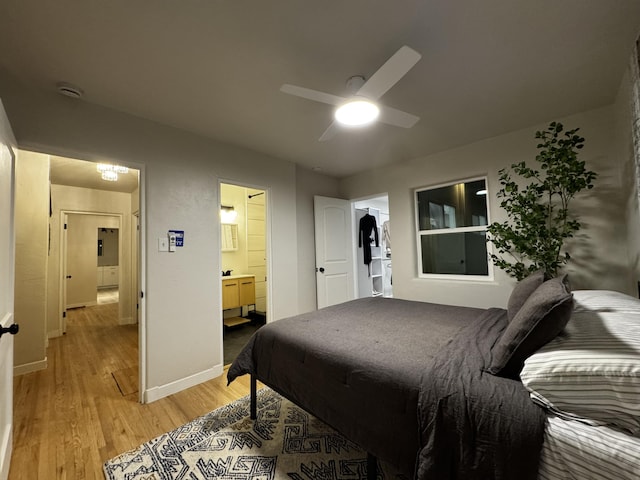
(405, 380)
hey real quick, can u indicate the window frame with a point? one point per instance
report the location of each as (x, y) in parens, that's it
(480, 228)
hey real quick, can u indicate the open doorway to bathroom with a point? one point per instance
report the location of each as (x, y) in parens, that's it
(244, 260)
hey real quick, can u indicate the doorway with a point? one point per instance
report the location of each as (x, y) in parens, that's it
(108, 261)
(106, 214)
(243, 259)
(374, 278)
(91, 275)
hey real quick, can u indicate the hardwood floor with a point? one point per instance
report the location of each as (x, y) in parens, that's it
(71, 417)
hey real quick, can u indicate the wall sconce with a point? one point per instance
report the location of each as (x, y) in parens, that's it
(228, 214)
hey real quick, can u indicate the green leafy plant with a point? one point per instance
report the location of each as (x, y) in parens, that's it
(539, 222)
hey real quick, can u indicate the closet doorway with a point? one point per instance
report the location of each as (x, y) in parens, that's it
(243, 260)
(374, 277)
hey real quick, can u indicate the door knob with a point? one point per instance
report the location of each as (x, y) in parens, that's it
(321, 269)
(12, 329)
(68, 276)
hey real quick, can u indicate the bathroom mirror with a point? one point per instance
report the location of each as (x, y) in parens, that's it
(229, 237)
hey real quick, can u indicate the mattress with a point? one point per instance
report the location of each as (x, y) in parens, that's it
(574, 450)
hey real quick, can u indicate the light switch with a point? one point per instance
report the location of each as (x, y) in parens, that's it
(163, 244)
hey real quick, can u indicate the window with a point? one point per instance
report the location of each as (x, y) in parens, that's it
(452, 229)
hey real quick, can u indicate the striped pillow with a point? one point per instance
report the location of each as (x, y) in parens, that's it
(592, 371)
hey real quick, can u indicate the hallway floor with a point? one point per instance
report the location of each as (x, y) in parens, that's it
(108, 295)
(74, 415)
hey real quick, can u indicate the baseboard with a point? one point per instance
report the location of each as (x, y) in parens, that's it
(54, 334)
(127, 321)
(156, 393)
(84, 304)
(30, 367)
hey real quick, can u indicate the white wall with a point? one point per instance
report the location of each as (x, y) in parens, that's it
(629, 99)
(31, 215)
(181, 171)
(600, 255)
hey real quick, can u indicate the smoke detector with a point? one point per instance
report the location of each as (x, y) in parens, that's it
(69, 90)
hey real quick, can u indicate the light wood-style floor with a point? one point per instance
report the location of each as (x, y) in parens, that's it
(71, 417)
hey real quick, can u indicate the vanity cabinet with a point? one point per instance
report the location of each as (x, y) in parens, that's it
(107, 276)
(238, 291)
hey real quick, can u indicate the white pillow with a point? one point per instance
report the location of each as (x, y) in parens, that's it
(591, 372)
(605, 301)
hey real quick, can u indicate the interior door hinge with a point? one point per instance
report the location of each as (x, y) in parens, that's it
(141, 294)
(65, 226)
(64, 314)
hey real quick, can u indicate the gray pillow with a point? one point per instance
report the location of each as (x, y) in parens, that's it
(542, 317)
(523, 290)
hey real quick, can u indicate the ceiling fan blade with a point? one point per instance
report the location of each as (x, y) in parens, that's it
(329, 132)
(309, 94)
(398, 118)
(390, 73)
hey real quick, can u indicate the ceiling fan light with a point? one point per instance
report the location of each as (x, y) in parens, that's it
(357, 112)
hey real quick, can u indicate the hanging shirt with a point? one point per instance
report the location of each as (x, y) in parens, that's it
(367, 224)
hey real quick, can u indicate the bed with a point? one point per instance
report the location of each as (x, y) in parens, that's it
(587, 380)
(432, 389)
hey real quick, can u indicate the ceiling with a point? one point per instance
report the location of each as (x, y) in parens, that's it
(215, 67)
(78, 173)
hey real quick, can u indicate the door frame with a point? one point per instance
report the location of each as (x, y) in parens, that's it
(268, 249)
(7, 318)
(62, 300)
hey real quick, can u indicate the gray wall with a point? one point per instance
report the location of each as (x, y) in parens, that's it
(600, 253)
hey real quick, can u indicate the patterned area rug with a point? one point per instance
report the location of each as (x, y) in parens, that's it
(284, 442)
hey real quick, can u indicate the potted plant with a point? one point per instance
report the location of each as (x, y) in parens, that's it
(539, 221)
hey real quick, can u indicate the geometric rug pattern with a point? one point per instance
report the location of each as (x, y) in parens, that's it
(284, 442)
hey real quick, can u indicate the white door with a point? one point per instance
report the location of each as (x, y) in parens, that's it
(7, 260)
(334, 251)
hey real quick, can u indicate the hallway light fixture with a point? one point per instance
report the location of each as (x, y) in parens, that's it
(228, 214)
(110, 172)
(110, 176)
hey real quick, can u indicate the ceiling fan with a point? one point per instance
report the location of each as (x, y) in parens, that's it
(360, 107)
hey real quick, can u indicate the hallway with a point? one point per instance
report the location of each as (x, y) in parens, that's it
(71, 417)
